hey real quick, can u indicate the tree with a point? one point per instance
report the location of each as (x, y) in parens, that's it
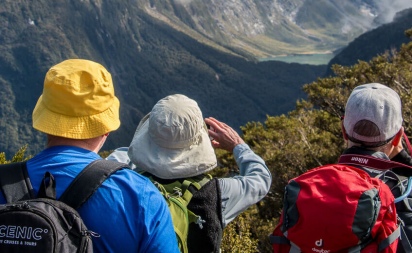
(310, 135)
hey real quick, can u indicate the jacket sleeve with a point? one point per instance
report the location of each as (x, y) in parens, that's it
(241, 191)
(120, 155)
(403, 157)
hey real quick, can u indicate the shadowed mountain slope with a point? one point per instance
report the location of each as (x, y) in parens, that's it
(148, 60)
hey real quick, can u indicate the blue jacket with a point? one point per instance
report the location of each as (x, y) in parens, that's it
(127, 211)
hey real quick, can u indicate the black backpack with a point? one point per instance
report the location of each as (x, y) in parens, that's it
(42, 223)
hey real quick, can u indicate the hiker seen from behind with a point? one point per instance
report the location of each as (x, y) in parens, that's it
(122, 211)
(372, 127)
(173, 146)
(358, 204)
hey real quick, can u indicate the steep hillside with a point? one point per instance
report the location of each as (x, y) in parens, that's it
(384, 38)
(265, 28)
(148, 60)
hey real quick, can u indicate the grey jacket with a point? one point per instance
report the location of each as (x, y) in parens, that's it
(238, 192)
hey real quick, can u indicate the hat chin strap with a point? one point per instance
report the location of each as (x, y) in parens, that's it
(408, 144)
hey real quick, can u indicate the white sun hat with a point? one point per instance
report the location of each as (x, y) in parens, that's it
(172, 141)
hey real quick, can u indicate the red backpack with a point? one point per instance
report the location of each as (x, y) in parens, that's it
(336, 209)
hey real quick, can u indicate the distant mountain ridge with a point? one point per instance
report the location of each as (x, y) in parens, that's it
(265, 28)
(147, 58)
(384, 38)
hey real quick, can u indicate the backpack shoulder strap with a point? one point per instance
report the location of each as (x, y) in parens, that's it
(15, 183)
(184, 189)
(371, 162)
(378, 164)
(397, 185)
(406, 244)
(191, 185)
(89, 179)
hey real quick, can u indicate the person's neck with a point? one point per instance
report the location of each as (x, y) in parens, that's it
(386, 149)
(93, 144)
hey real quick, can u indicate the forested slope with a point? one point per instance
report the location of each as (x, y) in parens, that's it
(304, 138)
(310, 135)
(148, 60)
(386, 37)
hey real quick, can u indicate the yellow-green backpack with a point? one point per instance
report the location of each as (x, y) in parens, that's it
(178, 195)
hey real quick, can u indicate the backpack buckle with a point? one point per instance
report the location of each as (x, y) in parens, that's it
(177, 191)
(200, 222)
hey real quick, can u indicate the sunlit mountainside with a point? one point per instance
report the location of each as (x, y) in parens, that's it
(267, 28)
(385, 38)
(207, 50)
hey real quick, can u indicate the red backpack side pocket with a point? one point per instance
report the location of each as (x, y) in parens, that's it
(336, 208)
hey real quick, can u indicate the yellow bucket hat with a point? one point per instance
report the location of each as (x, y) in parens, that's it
(78, 101)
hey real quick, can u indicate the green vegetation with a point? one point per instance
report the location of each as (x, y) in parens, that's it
(19, 156)
(148, 58)
(310, 136)
(368, 45)
(306, 137)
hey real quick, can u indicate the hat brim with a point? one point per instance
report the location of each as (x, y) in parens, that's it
(168, 163)
(84, 127)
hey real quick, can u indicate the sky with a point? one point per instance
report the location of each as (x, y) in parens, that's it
(388, 8)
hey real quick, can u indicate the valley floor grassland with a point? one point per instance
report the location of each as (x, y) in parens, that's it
(304, 58)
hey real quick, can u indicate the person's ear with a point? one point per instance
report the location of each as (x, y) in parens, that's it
(398, 137)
